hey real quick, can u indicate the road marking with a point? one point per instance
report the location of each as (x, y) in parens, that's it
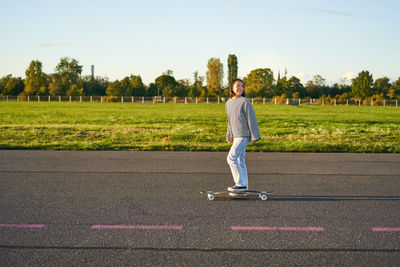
(274, 228)
(22, 225)
(385, 229)
(158, 227)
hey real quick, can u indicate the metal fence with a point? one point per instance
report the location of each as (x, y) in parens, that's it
(203, 100)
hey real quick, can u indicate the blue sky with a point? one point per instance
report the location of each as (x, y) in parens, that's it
(329, 38)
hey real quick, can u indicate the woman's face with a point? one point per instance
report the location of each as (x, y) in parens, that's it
(238, 88)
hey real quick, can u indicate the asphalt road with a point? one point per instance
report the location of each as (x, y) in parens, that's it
(144, 208)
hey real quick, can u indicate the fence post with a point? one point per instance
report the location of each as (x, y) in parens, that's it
(164, 99)
(263, 100)
(287, 101)
(38, 98)
(396, 102)
(323, 102)
(142, 99)
(347, 102)
(359, 102)
(275, 101)
(252, 101)
(49, 98)
(207, 100)
(372, 102)
(196, 100)
(335, 101)
(299, 101)
(133, 99)
(122, 99)
(80, 99)
(29, 99)
(70, 98)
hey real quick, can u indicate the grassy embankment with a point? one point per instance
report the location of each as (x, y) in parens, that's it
(191, 127)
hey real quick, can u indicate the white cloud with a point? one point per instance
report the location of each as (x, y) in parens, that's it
(55, 44)
(304, 78)
(348, 76)
(330, 11)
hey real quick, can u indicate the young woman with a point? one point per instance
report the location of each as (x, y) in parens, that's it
(242, 128)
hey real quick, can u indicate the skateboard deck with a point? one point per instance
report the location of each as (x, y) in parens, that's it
(261, 194)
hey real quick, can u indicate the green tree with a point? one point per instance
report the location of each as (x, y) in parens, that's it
(152, 90)
(315, 88)
(114, 88)
(182, 88)
(55, 85)
(194, 91)
(138, 88)
(196, 88)
(215, 74)
(204, 92)
(395, 89)
(259, 82)
(125, 87)
(198, 80)
(11, 85)
(169, 91)
(382, 86)
(362, 85)
(94, 87)
(292, 87)
(36, 80)
(68, 74)
(232, 68)
(295, 87)
(75, 90)
(280, 86)
(312, 89)
(165, 81)
(391, 93)
(319, 81)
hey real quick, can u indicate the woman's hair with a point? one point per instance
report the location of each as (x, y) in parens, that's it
(231, 93)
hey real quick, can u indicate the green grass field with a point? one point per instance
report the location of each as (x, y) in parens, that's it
(191, 127)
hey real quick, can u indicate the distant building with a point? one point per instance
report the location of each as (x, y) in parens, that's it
(92, 70)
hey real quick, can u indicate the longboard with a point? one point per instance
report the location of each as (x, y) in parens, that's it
(261, 194)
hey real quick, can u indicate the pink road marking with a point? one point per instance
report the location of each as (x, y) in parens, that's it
(22, 225)
(159, 227)
(385, 229)
(274, 228)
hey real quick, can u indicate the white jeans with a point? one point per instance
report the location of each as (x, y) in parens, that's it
(236, 160)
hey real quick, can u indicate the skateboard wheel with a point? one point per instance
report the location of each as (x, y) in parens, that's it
(210, 197)
(263, 197)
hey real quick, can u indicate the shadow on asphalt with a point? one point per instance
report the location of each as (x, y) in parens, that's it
(312, 198)
(334, 198)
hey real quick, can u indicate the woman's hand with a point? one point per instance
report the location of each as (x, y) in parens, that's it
(230, 141)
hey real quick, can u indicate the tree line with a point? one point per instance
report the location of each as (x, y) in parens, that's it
(68, 81)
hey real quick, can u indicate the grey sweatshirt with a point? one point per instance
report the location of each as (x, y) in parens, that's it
(242, 121)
